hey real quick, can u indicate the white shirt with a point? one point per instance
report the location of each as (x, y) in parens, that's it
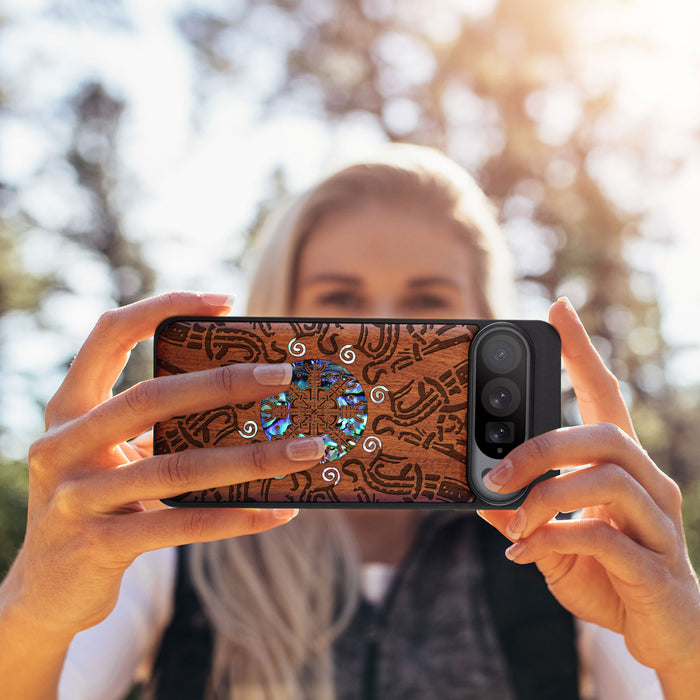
(104, 661)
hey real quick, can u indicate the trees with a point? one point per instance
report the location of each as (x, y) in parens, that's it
(527, 95)
(517, 93)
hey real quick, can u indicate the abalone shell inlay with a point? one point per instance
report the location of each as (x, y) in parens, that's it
(323, 399)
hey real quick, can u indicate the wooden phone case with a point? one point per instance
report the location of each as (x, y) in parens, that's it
(390, 397)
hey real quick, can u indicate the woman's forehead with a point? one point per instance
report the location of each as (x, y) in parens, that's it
(387, 238)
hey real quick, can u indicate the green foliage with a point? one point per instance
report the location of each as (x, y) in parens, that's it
(18, 289)
(14, 484)
(691, 521)
(484, 88)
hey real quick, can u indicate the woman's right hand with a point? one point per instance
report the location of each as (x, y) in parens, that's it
(88, 516)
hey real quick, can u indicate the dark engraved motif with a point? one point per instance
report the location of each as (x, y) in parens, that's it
(407, 444)
(223, 343)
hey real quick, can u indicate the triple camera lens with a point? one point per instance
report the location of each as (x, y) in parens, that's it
(501, 380)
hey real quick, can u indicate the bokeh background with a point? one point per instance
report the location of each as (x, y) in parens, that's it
(140, 142)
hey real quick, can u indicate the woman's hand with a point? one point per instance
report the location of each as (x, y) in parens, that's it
(88, 514)
(623, 564)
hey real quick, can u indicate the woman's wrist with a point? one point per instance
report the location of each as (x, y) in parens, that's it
(17, 613)
(33, 652)
(681, 684)
(682, 680)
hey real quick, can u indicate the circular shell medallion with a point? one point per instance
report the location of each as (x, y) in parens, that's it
(322, 399)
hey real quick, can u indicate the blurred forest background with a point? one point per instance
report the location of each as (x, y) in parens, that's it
(579, 119)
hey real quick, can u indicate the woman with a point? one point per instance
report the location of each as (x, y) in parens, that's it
(409, 236)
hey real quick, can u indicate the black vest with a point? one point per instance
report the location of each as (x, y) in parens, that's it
(414, 646)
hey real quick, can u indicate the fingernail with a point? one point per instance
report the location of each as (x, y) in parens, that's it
(569, 306)
(499, 476)
(273, 375)
(517, 524)
(218, 300)
(515, 550)
(285, 513)
(305, 449)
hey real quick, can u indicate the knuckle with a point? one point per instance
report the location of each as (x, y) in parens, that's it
(107, 322)
(257, 521)
(68, 497)
(542, 495)
(225, 379)
(141, 397)
(674, 495)
(617, 478)
(196, 525)
(176, 470)
(110, 325)
(539, 448)
(610, 432)
(600, 532)
(38, 454)
(174, 299)
(257, 458)
(42, 454)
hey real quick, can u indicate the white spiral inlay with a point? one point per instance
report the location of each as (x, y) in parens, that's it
(296, 347)
(378, 393)
(331, 474)
(250, 429)
(371, 443)
(346, 354)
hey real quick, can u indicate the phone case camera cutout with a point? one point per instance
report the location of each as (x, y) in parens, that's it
(413, 413)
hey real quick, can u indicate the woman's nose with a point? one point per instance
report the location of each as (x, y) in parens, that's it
(383, 308)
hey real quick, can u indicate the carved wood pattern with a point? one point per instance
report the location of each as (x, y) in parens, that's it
(413, 379)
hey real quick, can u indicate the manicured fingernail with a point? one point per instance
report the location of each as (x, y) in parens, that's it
(516, 525)
(569, 306)
(218, 300)
(499, 476)
(515, 550)
(273, 375)
(305, 449)
(285, 514)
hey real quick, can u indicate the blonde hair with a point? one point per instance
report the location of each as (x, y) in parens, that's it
(274, 611)
(275, 614)
(404, 175)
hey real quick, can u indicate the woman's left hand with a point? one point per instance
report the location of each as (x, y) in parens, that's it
(623, 564)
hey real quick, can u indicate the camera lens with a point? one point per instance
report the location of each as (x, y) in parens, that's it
(502, 353)
(500, 396)
(499, 432)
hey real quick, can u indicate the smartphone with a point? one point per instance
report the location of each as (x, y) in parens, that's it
(413, 413)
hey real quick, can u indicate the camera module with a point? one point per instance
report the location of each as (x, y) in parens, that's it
(501, 389)
(504, 360)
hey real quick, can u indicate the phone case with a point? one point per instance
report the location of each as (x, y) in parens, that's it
(391, 399)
